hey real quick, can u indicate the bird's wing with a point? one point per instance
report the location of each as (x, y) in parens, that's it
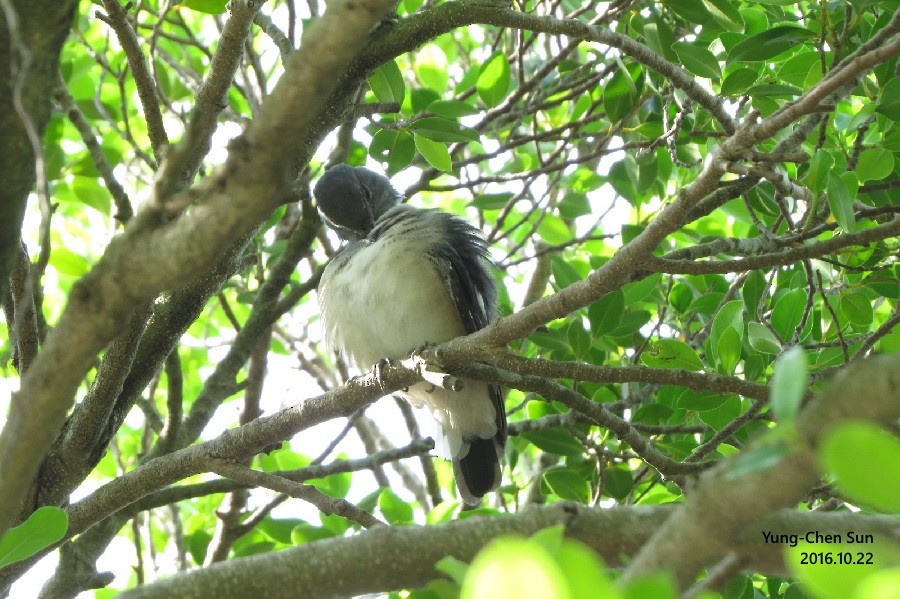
(462, 254)
(468, 280)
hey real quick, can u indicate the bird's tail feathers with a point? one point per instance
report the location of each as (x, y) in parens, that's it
(477, 468)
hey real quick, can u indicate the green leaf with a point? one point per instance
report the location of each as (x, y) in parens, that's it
(493, 80)
(889, 105)
(702, 401)
(671, 353)
(91, 192)
(655, 586)
(550, 538)
(690, 10)
(451, 109)
(440, 129)
(396, 148)
(387, 83)
(730, 315)
(874, 164)
(698, 60)
(564, 273)
(492, 201)
(584, 572)
(738, 80)
(554, 230)
(618, 97)
(434, 152)
(335, 523)
(659, 38)
(840, 203)
(762, 339)
(857, 308)
(394, 509)
(796, 69)
(620, 179)
(511, 567)
(279, 529)
(198, 543)
(419, 99)
(852, 183)
(789, 383)
(44, 527)
(555, 440)
(725, 13)
(307, 533)
(452, 567)
(752, 291)
(866, 461)
(728, 349)
(410, 6)
(724, 414)
(769, 43)
(212, 7)
(777, 90)
(861, 116)
(606, 313)
(640, 290)
(631, 323)
(579, 340)
(442, 512)
(431, 67)
(567, 484)
(819, 167)
(619, 482)
(788, 312)
(336, 485)
(574, 205)
(67, 262)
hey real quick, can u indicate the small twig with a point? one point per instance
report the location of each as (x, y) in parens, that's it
(325, 503)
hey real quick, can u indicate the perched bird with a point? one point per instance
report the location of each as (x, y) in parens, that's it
(408, 277)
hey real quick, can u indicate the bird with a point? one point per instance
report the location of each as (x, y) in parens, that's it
(409, 277)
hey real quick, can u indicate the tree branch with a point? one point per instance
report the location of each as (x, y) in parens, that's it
(391, 558)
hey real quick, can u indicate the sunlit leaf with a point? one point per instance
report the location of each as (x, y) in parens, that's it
(789, 383)
(567, 484)
(864, 458)
(698, 60)
(493, 80)
(44, 527)
(840, 203)
(387, 83)
(671, 353)
(769, 43)
(435, 152)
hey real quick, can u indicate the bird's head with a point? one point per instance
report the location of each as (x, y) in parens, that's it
(352, 199)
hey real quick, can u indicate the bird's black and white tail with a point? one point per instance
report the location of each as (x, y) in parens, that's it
(476, 465)
(478, 471)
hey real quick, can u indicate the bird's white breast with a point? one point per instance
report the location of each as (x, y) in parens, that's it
(383, 299)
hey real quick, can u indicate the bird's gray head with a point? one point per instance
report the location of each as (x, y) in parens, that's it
(351, 199)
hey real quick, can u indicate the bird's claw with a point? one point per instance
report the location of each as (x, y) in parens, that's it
(379, 368)
(417, 351)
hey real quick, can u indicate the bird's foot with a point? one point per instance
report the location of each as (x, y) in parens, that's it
(382, 364)
(417, 351)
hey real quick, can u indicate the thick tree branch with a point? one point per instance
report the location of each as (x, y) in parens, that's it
(391, 558)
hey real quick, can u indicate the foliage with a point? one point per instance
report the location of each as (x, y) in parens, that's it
(44, 527)
(717, 229)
